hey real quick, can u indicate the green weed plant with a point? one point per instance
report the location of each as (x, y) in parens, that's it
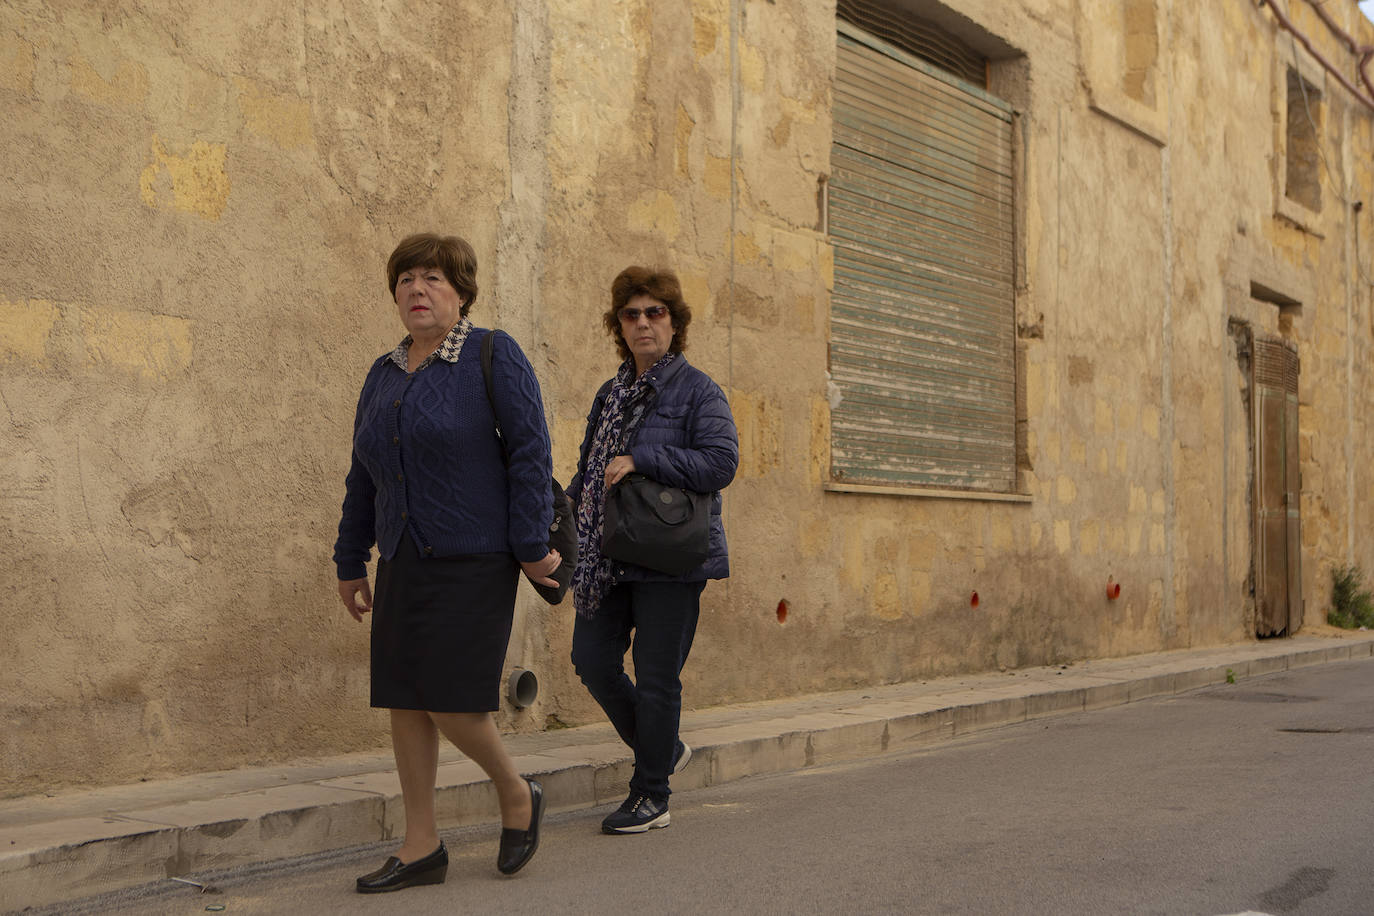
(1352, 605)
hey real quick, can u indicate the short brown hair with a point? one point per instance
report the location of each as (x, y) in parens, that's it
(449, 253)
(656, 283)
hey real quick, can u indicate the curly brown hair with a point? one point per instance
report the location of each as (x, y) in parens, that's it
(451, 254)
(656, 283)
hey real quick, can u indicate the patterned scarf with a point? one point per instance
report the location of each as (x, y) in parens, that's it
(621, 414)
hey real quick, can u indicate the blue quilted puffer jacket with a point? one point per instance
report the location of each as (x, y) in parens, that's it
(687, 439)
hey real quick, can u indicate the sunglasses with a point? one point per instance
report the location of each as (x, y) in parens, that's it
(653, 313)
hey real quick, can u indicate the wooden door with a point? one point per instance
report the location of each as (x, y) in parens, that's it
(1278, 486)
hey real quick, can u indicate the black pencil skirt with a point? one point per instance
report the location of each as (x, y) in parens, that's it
(440, 628)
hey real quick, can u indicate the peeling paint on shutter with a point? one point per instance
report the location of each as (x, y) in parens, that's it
(922, 321)
(923, 39)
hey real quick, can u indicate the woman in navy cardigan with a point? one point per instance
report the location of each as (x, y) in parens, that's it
(453, 528)
(664, 418)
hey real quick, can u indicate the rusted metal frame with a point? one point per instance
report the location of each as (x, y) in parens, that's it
(1366, 52)
(1283, 20)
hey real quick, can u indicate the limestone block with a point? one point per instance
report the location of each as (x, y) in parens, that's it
(272, 824)
(847, 741)
(1185, 681)
(125, 87)
(1055, 702)
(1089, 537)
(16, 63)
(611, 782)
(38, 863)
(1063, 536)
(920, 728)
(283, 120)
(195, 181)
(751, 754)
(1271, 665)
(151, 346)
(25, 327)
(1102, 696)
(1144, 688)
(655, 212)
(984, 713)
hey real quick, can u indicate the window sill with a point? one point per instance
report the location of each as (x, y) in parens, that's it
(1132, 115)
(1299, 215)
(979, 495)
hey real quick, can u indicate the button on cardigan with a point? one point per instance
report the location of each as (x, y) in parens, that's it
(426, 461)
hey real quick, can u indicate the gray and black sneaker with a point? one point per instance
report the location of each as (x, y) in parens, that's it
(639, 814)
(682, 757)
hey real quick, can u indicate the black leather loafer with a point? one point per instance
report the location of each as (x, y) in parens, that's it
(518, 846)
(394, 874)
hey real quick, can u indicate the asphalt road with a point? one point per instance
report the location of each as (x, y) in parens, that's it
(1249, 797)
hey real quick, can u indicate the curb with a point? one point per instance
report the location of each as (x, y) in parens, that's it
(134, 841)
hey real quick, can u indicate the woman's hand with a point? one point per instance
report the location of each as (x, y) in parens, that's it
(540, 571)
(618, 467)
(350, 590)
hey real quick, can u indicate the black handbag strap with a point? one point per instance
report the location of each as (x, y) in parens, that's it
(488, 346)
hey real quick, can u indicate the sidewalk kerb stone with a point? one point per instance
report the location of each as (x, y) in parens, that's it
(126, 856)
(611, 781)
(1186, 681)
(567, 786)
(918, 729)
(1056, 702)
(977, 716)
(756, 756)
(1158, 685)
(280, 834)
(846, 742)
(153, 832)
(1103, 696)
(1270, 665)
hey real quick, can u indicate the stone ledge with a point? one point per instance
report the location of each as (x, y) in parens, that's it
(153, 837)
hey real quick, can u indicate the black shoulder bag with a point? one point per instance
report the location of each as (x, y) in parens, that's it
(656, 526)
(563, 531)
(650, 524)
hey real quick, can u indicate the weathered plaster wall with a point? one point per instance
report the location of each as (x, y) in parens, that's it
(198, 210)
(1333, 249)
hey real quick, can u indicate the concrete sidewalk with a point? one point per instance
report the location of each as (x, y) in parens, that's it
(73, 845)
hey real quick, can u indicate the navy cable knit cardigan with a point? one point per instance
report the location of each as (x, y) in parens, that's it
(426, 461)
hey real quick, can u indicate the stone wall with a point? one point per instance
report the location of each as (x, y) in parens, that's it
(198, 209)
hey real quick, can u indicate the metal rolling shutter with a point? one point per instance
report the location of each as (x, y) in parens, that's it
(926, 40)
(922, 344)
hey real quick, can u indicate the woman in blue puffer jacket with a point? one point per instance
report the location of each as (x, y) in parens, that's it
(663, 418)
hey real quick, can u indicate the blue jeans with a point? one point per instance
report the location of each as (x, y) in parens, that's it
(645, 711)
